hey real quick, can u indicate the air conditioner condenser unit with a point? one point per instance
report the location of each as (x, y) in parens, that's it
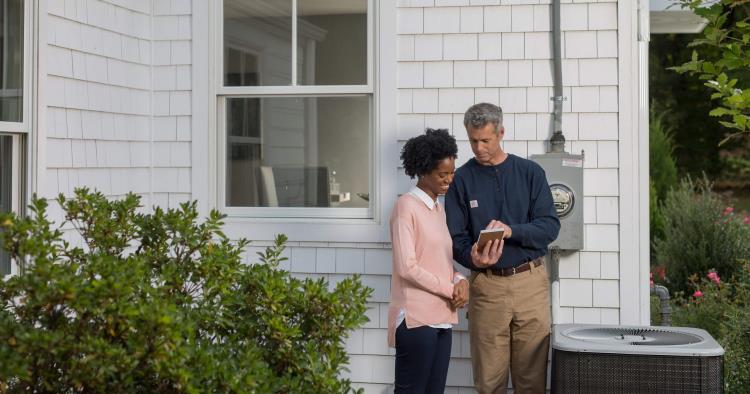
(635, 359)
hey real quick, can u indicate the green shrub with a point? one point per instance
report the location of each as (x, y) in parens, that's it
(662, 166)
(662, 173)
(736, 342)
(700, 234)
(698, 308)
(656, 218)
(723, 309)
(161, 303)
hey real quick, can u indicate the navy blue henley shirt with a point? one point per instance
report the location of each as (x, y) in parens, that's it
(515, 192)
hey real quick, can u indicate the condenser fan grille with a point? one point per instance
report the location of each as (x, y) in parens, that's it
(634, 336)
(629, 374)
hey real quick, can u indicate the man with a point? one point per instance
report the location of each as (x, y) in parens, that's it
(509, 312)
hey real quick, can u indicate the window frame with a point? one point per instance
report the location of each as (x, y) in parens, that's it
(223, 93)
(25, 125)
(385, 150)
(20, 132)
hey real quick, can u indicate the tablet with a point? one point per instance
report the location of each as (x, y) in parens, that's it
(488, 235)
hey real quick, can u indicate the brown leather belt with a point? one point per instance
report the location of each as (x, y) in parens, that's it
(517, 269)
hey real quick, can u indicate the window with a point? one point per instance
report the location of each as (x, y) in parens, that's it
(295, 108)
(13, 106)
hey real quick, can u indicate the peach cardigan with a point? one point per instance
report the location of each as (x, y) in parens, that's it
(422, 276)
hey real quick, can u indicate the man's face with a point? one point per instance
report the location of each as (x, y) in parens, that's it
(485, 143)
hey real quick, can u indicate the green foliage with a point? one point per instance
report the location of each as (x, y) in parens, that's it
(723, 309)
(736, 166)
(700, 233)
(683, 103)
(159, 302)
(736, 341)
(662, 172)
(656, 219)
(698, 307)
(662, 166)
(721, 58)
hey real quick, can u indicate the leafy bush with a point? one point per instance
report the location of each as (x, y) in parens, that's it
(722, 309)
(160, 303)
(736, 342)
(662, 166)
(662, 174)
(699, 307)
(699, 234)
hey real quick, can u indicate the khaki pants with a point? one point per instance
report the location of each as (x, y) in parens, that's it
(509, 326)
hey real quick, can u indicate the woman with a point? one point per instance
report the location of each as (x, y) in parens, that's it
(425, 291)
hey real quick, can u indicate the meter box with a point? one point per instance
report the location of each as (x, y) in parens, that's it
(565, 177)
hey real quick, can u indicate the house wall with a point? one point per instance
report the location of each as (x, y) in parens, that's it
(451, 54)
(117, 77)
(121, 106)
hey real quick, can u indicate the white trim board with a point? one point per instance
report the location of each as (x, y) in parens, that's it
(633, 166)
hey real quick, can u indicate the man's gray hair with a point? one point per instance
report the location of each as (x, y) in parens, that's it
(479, 115)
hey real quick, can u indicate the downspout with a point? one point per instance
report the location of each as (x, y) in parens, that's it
(554, 256)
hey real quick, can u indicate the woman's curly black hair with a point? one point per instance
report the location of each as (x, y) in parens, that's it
(420, 155)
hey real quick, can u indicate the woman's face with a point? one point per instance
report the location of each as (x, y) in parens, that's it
(437, 181)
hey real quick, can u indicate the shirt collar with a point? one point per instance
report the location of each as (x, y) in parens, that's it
(426, 199)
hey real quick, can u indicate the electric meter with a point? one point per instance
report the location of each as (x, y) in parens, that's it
(564, 199)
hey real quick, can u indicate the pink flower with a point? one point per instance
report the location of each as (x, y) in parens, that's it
(714, 277)
(698, 293)
(727, 211)
(746, 220)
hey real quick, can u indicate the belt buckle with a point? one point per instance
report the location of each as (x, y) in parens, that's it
(514, 270)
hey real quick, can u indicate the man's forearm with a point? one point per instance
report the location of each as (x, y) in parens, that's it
(537, 234)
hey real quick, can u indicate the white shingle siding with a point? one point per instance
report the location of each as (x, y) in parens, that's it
(500, 52)
(104, 93)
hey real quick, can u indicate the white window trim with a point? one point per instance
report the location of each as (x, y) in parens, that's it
(23, 157)
(21, 131)
(24, 126)
(633, 33)
(226, 92)
(384, 151)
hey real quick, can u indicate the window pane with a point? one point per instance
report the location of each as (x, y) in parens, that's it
(6, 192)
(332, 42)
(11, 60)
(298, 152)
(257, 42)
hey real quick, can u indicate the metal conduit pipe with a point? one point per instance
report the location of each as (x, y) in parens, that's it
(666, 310)
(554, 273)
(557, 141)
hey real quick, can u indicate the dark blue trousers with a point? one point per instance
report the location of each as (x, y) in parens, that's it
(422, 356)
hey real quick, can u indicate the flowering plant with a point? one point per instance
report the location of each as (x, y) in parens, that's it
(700, 233)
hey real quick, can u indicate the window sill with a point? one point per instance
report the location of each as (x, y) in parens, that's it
(307, 229)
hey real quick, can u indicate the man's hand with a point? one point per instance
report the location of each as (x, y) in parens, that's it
(507, 232)
(460, 294)
(492, 250)
(490, 254)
